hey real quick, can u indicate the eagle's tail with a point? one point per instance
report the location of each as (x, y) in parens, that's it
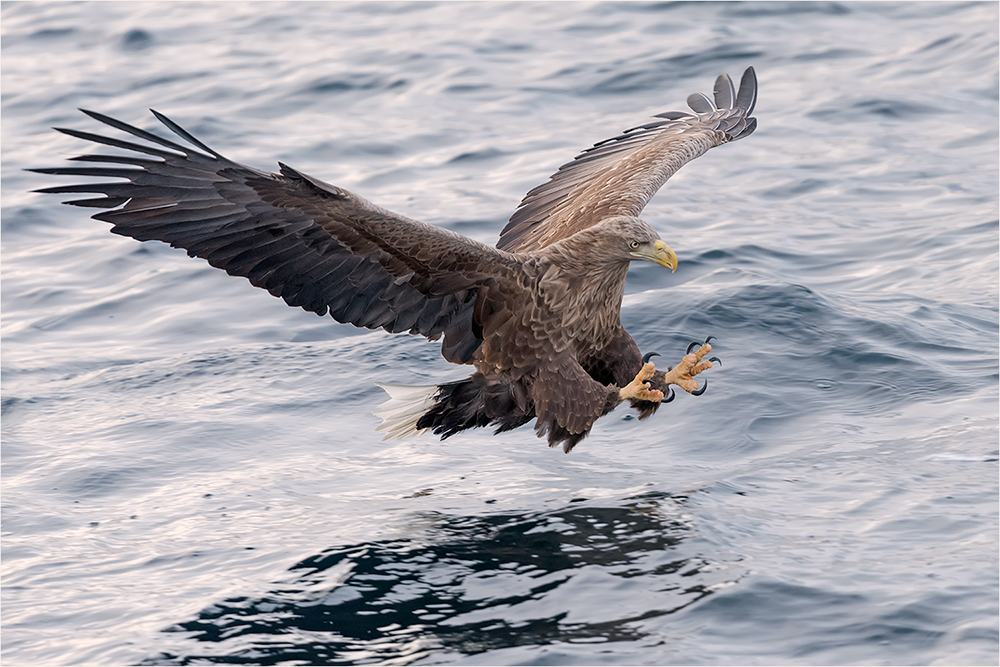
(406, 405)
(452, 407)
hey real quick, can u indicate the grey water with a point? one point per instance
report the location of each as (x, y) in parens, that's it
(190, 469)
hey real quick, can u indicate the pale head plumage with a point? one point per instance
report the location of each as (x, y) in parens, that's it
(613, 242)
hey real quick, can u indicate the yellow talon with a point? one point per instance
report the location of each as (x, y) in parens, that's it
(638, 390)
(683, 373)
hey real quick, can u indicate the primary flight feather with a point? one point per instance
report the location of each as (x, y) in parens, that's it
(537, 316)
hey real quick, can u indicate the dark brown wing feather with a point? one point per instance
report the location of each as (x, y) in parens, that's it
(314, 245)
(620, 175)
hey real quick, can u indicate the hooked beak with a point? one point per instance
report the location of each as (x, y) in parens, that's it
(661, 254)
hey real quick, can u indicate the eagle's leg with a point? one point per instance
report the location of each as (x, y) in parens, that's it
(691, 365)
(638, 390)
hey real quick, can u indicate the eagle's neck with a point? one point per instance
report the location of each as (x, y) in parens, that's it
(585, 291)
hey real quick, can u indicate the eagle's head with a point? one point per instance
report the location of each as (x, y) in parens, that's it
(626, 239)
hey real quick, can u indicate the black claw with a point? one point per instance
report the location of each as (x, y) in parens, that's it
(691, 347)
(708, 339)
(669, 397)
(699, 392)
(715, 359)
(649, 355)
(648, 383)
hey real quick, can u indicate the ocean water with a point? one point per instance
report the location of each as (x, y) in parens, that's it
(190, 469)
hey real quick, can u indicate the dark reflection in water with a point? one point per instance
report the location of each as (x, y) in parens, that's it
(467, 585)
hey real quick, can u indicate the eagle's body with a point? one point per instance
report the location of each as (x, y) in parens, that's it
(554, 347)
(538, 316)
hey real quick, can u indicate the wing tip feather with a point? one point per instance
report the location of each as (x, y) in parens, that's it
(746, 98)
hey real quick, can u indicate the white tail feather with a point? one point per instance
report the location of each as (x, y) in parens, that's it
(406, 405)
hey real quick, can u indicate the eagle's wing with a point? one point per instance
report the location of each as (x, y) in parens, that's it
(315, 245)
(620, 175)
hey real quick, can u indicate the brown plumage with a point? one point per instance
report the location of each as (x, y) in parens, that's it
(538, 316)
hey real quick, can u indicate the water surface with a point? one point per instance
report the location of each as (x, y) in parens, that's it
(190, 469)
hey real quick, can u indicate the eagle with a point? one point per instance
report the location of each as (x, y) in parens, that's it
(537, 316)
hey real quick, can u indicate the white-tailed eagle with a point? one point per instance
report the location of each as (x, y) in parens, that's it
(537, 316)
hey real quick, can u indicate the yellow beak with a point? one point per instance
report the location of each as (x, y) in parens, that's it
(662, 254)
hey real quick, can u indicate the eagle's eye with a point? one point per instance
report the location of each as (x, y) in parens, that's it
(633, 244)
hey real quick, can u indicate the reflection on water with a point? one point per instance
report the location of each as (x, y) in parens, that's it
(468, 584)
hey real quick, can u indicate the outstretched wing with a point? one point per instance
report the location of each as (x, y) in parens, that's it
(314, 245)
(620, 175)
